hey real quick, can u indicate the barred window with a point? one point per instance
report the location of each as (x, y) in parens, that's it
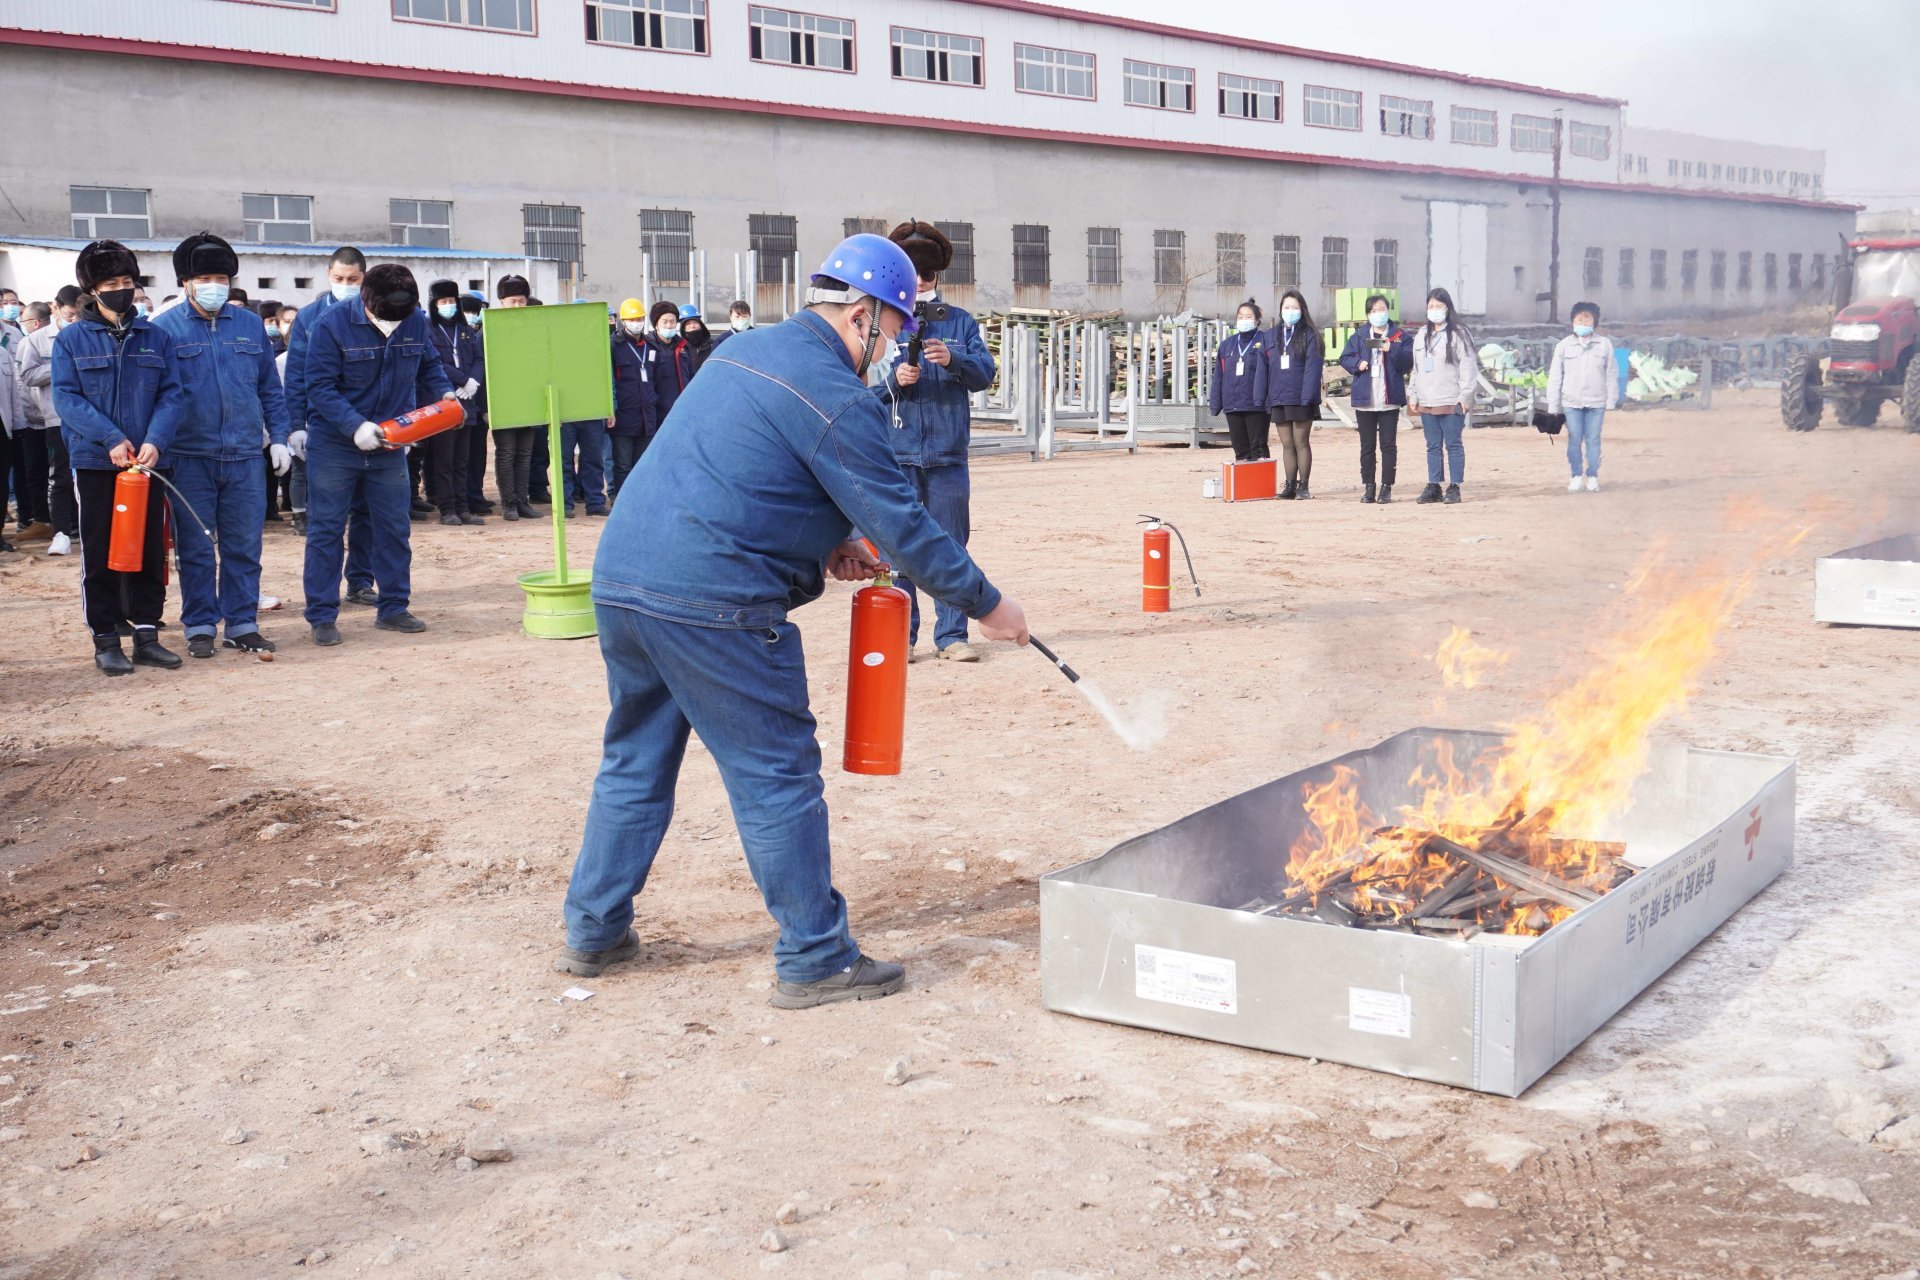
(1689, 269)
(1475, 127)
(1819, 264)
(1230, 249)
(1532, 133)
(1386, 264)
(1595, 142)
(863, 226)
(1032, 259)
(1331, 108)
(1626, 268)
(552, 231)
(1745, 282)
(1717, 272)
(1248, 98)
(1103, 255)
(1595, 268)
(1333, 262)
(1286, 262)
(1059, 73)
(488, 15)
(668, 26)
(1656, 268)
(774, 239)
(1169, 257)
(1770, 271)
(936, 57)
(1406, 117)
(666, 237)
(799, 39)
(960, 270)
(1149, 84)
(112, 213)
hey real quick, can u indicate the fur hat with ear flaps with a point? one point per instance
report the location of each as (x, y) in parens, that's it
(927, 246)
(204, 254)
(104, 260)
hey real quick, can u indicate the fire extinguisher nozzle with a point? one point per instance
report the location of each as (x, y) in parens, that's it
(1065, 670)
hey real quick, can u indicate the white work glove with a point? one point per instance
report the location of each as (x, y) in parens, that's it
(466, 392)
(281, 458)
(366, 437)
(297, 444)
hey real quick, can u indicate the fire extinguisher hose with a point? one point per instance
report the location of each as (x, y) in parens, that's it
(1191, 575)
(181, 496)
(1065, 670)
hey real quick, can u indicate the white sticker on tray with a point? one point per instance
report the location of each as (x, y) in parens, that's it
(1183, 978)
(1380, 1013)
(1904, 604)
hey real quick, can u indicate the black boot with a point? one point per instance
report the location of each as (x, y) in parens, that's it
(1386, 494)
(108, 656)
(1289, 493)
(509, 512)
(149, 652)
(1429, 494)
(1453, 493)
(1368, 495)
(527, 512)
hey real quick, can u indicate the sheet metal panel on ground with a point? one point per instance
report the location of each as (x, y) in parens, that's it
(1876, 585)
(1147, 933)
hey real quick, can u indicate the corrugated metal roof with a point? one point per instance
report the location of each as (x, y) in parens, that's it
(390, 251)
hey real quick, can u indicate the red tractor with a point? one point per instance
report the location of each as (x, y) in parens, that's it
(1875, 333)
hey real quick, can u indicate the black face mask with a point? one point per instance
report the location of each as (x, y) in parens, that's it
(118, 301)
(397, 305)
(698, 337)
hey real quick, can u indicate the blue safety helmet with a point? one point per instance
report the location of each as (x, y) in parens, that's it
(874, 266)
(689, 312)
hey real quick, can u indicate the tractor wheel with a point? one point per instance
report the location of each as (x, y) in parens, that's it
(1800, 401)
(1910, 394)
(1858, 411)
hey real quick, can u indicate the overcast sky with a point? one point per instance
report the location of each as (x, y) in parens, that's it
(1839, 75)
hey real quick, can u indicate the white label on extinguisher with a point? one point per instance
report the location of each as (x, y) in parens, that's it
(1183, 978)
(873, 659)
(1154, 554)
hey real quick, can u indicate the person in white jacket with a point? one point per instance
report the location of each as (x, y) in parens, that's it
(1446, 373)
(1583, 383)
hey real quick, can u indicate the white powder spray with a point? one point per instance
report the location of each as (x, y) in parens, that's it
(1142, 725)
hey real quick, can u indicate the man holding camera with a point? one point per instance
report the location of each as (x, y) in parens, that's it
(927, 395)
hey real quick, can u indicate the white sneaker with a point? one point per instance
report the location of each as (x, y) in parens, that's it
(1593, 484)
(1573, 485)
(60, 546)
(269, 602)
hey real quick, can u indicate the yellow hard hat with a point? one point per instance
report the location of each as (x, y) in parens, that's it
(633, 309)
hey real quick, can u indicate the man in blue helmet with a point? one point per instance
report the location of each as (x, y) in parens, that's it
(745, 501)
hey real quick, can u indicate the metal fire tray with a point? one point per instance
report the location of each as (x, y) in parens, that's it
(1148, 934)
(1877, 585)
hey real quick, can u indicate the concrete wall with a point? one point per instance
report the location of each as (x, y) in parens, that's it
(490, 151)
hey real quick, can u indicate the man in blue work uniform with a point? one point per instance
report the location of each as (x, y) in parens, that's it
(225, 362)
(120, 403)
(740, 507)
(346, 271)
(368, 360)
(927, 393)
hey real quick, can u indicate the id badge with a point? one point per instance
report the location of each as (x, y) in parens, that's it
(1427, 364)
(1286, 359)
(1240, 369)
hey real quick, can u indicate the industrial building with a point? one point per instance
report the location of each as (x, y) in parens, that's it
(1078, 161)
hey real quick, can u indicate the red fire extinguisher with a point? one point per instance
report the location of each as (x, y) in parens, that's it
(127, 538)
(877, 678)
(1156, 568)
(417, 424)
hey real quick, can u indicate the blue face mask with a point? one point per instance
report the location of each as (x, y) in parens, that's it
(448, 310)
(1583, 331)
(141, 309)
(341, 292)
(474, 318)
(1245, 324)
(1290, 316)
(9, 312)
(208, 297)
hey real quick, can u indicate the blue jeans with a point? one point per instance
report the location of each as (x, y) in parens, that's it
(232, 498)
(359, 533)
(745, 693)
(583, 449)
(1583, 429)
(337, 482)
(945, 492)
(1445, 430)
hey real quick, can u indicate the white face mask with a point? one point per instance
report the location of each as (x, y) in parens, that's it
(386, 327)
(669, 332)
(341, 292)
(925, 295)
(1378, 319)
(635, 328)
(1245, 324)
(1436, 315)
(740, 324)
(1290, 316)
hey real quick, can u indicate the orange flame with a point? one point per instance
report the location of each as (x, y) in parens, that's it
(1464, 664)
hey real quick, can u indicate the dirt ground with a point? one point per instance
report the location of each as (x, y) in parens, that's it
(277, 936)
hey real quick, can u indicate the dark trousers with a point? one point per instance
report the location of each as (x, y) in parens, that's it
(61, 508)
(626, 452)
(1381, 426)
(339, 481)
(1296, 452)
(447, 470)
(537, 468)
(582, 453)
(30, 471)
(474, 433)
(112, 598)
(946, 493)
(512, 456)
(1249, 434)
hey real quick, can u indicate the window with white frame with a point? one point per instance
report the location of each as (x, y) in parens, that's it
(1058, 73)
(1170, 257)
(1103, 255)
(1593, 268)
(1333, 262)
(1286, 262)
(423, 222)
(300, 4)
(1406, 117)
(1327, 108)
(960, 236)
(1250, 98)
(1595, 142)
(774, 239)
(1151, 84)
(1032, 257)
(110, 213)
(799, 39)
(665, 26)
(552, 231)
(1386, 264)
(937, 58)
(666, 238)
(1230, 252)
(1475, 127)
(1531, 133)
(485, 15)
(278, 219)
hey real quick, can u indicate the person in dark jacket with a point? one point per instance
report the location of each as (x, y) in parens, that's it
(368, 360)
(666, 357)
(927, 393)
(636, 412)
(120, 403)
(457, 344)
(1240, 384)
(698, 339)
(1379, 357)
(346, 272)
(233, 400)
(478, 432)
(1293, 389)
(514, 447)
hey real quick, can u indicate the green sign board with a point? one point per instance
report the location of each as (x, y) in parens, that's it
(532, 348)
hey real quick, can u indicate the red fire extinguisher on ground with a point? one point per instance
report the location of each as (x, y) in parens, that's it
(417, 424)
(127, 537)
(877, 678)
(1156, 567)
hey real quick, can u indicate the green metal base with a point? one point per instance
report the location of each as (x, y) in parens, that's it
(558, 610)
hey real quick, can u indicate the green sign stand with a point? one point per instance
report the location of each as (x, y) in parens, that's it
(546, 365)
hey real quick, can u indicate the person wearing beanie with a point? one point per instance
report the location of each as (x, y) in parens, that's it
(119, 398)
(233, 401)
(457, 343)
(928, 393)
(514, 448)
(369, 360)
(667, 355)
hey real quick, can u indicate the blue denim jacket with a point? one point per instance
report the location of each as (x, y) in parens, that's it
(353, 375)
(298, 339)
(233, 390)
(935, 417)
(770, 458)
(107, 391)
